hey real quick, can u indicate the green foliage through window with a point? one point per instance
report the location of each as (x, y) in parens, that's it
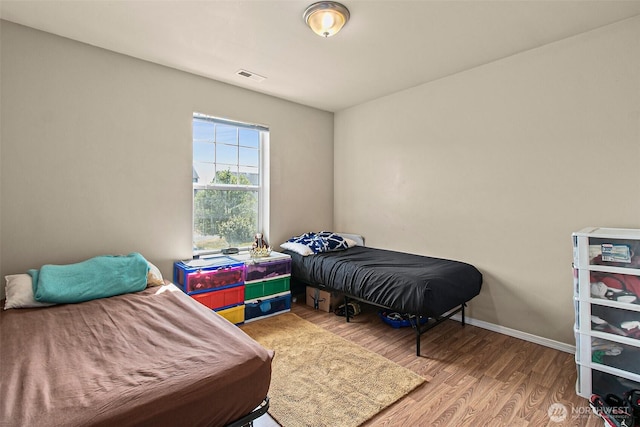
(227, 217)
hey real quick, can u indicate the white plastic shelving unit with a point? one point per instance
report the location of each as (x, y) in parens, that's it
(607, 354)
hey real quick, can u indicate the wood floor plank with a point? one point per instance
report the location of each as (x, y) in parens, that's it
(508, 413)
(474, 377)
(533, 400)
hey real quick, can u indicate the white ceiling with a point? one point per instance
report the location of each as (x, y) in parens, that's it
(387, 46)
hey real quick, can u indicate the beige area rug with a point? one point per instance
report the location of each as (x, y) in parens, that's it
(320, 379)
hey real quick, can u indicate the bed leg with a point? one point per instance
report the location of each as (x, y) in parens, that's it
(415, 324)
(463, 305)
(346, 307)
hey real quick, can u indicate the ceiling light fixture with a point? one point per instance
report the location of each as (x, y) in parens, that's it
(326, 18)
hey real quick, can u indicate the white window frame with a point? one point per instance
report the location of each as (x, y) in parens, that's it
(261, 188)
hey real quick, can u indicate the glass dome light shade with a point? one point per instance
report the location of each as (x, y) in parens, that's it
(326, 18)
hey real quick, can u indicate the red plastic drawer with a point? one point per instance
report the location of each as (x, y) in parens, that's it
(221, 298)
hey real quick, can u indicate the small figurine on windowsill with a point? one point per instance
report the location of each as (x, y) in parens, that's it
(260, 247)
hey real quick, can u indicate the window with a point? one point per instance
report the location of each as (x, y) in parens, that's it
(228, 183)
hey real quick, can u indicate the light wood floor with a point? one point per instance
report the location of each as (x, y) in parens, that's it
(475, 377)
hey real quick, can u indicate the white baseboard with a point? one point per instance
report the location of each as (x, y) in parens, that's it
(567, 348)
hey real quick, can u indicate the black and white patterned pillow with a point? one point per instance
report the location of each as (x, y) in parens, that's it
(305, 244)
(333, 241)
(315, 243)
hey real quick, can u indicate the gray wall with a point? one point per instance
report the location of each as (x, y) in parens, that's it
(498, 165)
(96, 153)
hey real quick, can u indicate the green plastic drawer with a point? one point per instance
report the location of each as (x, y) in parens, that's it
(267, 287)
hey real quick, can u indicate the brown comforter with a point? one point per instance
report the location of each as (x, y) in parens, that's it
(148, 358)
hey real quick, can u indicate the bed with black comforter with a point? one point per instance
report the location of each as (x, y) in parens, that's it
(403, 282)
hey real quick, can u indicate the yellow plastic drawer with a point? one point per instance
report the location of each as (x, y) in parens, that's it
(233, 314)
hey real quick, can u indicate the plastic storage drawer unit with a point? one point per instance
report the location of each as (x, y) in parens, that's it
(610, 251)
(615, 321)
(221, 298)
(267, 269)
(592, 381)
(234, 314)
(268, 287)
(204, 275)
(261, 308)
(606, 284)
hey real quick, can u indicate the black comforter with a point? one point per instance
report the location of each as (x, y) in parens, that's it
(403, 282)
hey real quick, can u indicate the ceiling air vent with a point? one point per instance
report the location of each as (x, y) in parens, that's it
(248, 74)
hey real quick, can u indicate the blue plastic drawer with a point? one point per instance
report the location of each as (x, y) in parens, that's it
(259, 308)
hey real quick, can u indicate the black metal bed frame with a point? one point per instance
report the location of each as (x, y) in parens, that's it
(414, 321)
(248, 419)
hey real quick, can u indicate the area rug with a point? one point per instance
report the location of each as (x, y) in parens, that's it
(320, 379)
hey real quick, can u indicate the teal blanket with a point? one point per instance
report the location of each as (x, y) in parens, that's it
(99, 277)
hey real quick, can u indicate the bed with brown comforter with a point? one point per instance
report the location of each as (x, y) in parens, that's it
(155, 358)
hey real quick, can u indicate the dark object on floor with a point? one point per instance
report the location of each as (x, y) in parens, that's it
(614, 410)
(353, 307)
(397, 320)
(633, 397)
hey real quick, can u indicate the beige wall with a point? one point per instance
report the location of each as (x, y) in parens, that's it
(96, 153)
(498, 165)
(495, 166)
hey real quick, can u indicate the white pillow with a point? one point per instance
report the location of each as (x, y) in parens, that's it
(355, 239)
(350, 243)
(154, 277)
(19, 292)
(298, 248)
